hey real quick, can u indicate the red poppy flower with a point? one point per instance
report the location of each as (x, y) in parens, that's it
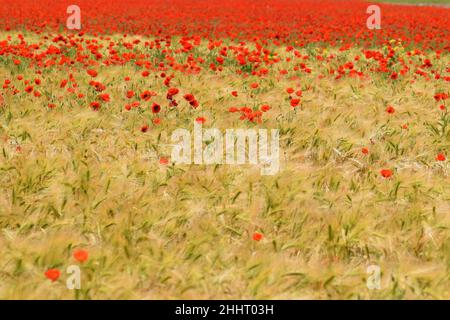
(257, 236)
(386, 173)
(172, 92)
(130, 94)
(81, 255)
(52, 274)
(365, 150)
(265, 108)
(194, 103)
(295, 102)
(146, 95)
(390, 109)
(95, 105)
(163, 161)
(92, 73)
(200, 120)
(440, 157)
(234, 93)
(105, 97)
(189, 97)
(144, 128)
(156, 108)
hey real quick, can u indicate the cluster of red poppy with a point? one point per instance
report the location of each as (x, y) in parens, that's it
(281, 21)
(292, 25)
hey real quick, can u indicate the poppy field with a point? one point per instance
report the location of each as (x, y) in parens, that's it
(359, 207)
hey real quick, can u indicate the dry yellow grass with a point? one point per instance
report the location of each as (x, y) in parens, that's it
(93, 180)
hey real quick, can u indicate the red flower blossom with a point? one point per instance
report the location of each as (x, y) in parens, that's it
(52, 274)
(189, 97)
(386, 173)
(92, 73)
(295, 102)
(144, 128)
(265, 108)
(200, 120)
(194, 103)
(156, 108)
(172, 92)
(105, 97)
(80, 255)
(440, 157)
(95, 105)
(146, 95)
(257, 236)
(390, 109)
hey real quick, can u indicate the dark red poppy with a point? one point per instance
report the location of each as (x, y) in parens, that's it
(156, 108)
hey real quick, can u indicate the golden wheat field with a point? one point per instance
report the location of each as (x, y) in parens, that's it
(87, 176)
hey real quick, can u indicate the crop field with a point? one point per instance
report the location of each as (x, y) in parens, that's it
(360, 187)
